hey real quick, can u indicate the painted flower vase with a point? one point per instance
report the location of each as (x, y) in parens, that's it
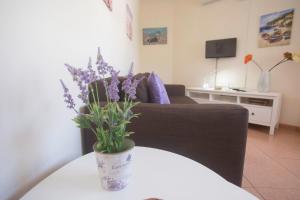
(115, 168)
(264, 82)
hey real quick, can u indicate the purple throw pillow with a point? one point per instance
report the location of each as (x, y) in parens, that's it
(157, 90)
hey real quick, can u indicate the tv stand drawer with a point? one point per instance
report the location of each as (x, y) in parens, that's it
(261, 115)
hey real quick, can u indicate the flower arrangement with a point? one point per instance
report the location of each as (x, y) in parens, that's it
(107, 121)
(287, 56)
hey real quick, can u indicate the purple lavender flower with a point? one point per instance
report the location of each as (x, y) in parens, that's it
(130, 73)
(84, 93)
(113, 90)
(127, 82)
(113, 116)
(129, 86)
(102, 67)
(85, 77)
(90, 63)
(73, 71)
(99, 56)
(68, 98)
(132, 91)
(109, 69)
(92, 74)
(126, 85)
(82, 77)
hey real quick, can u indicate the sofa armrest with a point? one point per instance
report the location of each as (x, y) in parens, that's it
(175, 90)
(213, 135)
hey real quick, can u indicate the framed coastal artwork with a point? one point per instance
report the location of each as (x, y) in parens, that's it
(154, 36)
(275, 28)
(108, 4)
(129, 25)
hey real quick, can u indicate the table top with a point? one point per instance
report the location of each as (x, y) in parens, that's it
(156, 173)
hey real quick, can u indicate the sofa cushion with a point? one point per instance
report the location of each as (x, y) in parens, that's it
(157, 90)
(175, 90)
(181, 100)
(142, 93)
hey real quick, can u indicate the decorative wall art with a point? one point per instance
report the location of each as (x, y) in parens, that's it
(129, 21)
(152, 36)
(108, 3)
(275, 28)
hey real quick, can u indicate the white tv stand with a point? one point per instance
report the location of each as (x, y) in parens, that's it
(264, 108)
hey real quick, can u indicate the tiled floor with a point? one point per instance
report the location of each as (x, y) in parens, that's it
(272, 164)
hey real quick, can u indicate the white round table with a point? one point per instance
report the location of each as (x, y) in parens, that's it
(156, 173)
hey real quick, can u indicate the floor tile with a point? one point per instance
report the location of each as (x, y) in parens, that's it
(284, 144)
(246, 183)
(279, 194)
(293, 165)
(254, 192)
(272, 164)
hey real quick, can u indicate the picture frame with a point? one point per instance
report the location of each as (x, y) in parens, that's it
(155, 36)
(275, 28)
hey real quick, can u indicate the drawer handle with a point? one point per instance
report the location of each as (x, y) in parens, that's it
(253, 113)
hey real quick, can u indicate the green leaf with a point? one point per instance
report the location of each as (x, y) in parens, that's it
(83, 121)
(127, 134)
(109, 124)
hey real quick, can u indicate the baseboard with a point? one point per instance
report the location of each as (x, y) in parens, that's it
(288, 126)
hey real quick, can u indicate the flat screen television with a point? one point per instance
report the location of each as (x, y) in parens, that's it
(220, 48)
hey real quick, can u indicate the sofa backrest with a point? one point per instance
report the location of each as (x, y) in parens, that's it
(142, 92)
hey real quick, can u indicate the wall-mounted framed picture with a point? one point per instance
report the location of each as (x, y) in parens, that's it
(154, 36)
(275, 28)
(129, 21)
(108, 4)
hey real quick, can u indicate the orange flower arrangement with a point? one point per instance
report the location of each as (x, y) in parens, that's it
(249, 58)
(287, 56)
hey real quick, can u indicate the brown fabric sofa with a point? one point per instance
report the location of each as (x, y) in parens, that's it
(211, 134)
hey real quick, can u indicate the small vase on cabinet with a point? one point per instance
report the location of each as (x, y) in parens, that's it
(263, 84)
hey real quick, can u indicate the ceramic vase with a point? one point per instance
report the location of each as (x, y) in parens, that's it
(115, 168)
(264, 82)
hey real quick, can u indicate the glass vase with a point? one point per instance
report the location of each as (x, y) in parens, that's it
(264, 82)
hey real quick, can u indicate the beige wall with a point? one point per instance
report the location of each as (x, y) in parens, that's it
(194, 23)
(37, 38)
(157, 58)
(284, 79)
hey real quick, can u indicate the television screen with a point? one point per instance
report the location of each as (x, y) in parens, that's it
(220, 48)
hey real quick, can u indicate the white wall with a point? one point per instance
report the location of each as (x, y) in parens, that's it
(157, 58)
(194, 23)
(37, 38)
